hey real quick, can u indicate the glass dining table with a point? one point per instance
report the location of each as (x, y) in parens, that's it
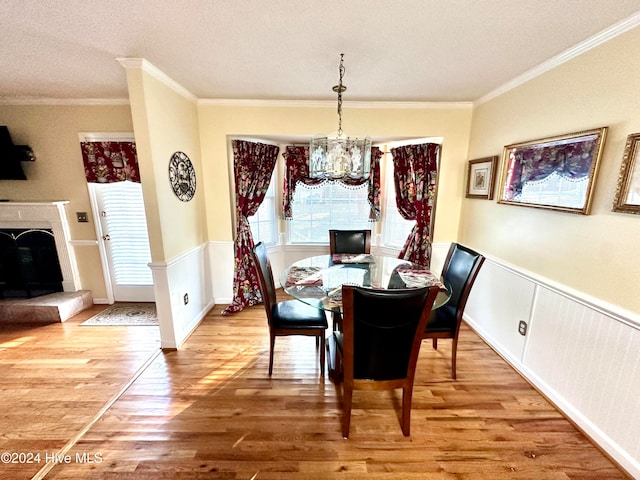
(318, 281)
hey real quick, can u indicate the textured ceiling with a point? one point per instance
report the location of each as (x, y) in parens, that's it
(409, 50)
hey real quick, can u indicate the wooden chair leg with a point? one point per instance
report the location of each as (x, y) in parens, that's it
(435, 343)
(407, 394)
(271, 348)
(322, 349)
(454, 354)
(347, 397)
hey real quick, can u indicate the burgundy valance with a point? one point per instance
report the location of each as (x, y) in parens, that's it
(571, 161)
(296, 170)
(108, 162)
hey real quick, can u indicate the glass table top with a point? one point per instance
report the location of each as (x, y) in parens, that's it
(318, 280)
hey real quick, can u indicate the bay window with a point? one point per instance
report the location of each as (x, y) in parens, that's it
(264, 224)
(317, 209)
(395, 228)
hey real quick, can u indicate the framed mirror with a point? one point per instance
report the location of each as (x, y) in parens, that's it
(627, 198)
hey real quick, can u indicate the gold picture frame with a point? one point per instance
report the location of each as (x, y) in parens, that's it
(627, 199)
(481, 175)
(555, 173)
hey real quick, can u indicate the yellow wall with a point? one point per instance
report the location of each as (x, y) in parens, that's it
(166, 121)
(596, 254)
(58, 172)
(171, 122)
(218, 123)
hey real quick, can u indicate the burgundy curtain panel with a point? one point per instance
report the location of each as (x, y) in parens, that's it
(109, 162)
(253, 165)
(297, 170)
(415, 175)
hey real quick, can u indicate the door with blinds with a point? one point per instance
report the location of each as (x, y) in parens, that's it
(124, 238)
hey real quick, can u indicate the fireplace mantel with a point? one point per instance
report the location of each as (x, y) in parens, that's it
(46, 215)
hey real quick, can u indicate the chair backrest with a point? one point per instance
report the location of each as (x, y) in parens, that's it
(459, 272)
(350, 241)
(382, 331)
(265, 276)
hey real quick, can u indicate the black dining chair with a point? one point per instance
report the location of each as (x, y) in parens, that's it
(380, 342)
(289, 317)
(349, 241)
(459, 273)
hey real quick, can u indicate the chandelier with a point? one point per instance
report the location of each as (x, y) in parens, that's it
(336, 156)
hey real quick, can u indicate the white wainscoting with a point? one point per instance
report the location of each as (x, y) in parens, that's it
(583, 354)
(188, 274)
(221, 264)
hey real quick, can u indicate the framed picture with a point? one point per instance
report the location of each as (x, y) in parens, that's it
(628, 192)
(481, 175)
(556, 173)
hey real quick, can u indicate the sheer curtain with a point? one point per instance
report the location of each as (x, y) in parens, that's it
(415, 170)
(253, 165)
(297, 170)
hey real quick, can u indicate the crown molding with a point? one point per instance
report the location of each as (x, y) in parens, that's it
(236, 102)
(62, 101)
(569, 54)
(228, 102)
(155, 72)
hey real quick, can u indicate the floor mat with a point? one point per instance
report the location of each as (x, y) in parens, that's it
(126, 314)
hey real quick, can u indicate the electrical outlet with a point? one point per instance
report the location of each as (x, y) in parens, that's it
(186, 298)
(82, 217)
(522, 328)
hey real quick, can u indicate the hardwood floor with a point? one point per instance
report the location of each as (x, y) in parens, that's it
(210, 410)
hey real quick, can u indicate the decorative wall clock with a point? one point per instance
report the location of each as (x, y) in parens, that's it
(182, 176)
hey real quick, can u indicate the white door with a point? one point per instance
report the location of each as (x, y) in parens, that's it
(124, 240)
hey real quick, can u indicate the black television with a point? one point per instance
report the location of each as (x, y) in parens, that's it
(11, 157)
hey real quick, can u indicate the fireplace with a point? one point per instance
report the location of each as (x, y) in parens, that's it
(48, 239)
(29, 265)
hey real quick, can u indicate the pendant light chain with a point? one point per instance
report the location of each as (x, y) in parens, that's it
(338, 157)
(339, 89)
